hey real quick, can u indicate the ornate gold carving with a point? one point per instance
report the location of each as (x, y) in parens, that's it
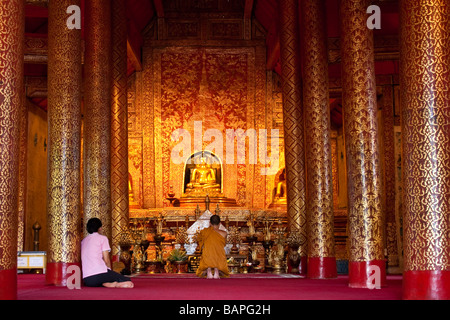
(365, 216)
(424, 80)
(293, 118)
(119, 125)
(64, 118)
(223, 88)
(317, 131)
(97, 133)
(148, 131)
(23, 119)
(12, 23)
(389, 174)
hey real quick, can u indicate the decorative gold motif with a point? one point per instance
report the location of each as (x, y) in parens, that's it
(365, 216)
(424, 80)
(12, 24)
(317, 131)
(119, 125)
(389, 174)
(23, 119)
(64, 119)
(281, 190)
(293, 117)
(215, 86)
(97, 118)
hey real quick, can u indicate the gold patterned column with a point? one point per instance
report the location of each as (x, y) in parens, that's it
(320, 216)
(64, 125)
(365, 215)
(293, 122)
(425, 82)
(12, 25)
(389, 175)
(97, 117)
(23, 120)
(119, 125)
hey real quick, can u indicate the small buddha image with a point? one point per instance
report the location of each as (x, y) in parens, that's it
(203, 176)
(130, 187)
(281, 191)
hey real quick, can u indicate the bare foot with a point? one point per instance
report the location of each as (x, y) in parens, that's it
(209, 274)
(126, 284)
(110, 284)
(216, 273)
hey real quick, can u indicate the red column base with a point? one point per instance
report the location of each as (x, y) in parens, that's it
(426, 285)
(56, 273)
(322, 267)
(363, 274)
(8, 284)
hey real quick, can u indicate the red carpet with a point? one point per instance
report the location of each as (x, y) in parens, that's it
(189, 287)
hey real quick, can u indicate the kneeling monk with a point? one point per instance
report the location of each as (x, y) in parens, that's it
(212, 241)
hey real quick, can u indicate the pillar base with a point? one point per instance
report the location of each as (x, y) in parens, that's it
(322, 267)
(56, 273)
(8, 284)
(426, 285)
(361, 275)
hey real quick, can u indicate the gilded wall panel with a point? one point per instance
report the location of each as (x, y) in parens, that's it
(216, 87)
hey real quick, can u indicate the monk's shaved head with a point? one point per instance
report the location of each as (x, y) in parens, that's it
(215, 220)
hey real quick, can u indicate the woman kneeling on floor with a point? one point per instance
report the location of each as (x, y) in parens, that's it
(95, 260)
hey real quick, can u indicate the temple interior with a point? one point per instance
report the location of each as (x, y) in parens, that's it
(218, 63)
(282, 117)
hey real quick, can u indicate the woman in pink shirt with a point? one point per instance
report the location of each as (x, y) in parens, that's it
(95, 261)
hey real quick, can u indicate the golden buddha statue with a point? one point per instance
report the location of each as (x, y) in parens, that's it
(132, 202)
(281, 191)
(130, 188)
(203, 177)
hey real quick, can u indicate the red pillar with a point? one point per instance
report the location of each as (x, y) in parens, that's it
(365, 214)
(320, 216)
(425, 82)
(12, 24)
(119, 126)
(64, 133)
(293, 123)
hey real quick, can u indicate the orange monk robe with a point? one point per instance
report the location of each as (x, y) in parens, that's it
(213, 253)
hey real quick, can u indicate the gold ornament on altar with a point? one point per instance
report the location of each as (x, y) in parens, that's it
(277, 253)
(294, 241)
(234, 238)
(267, 229)
(251, 223)
(181, 237)
(195, 237)
(125, 243)
(159, 222)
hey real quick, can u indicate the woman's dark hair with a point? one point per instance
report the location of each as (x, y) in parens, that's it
(215, 220)
(93, 225)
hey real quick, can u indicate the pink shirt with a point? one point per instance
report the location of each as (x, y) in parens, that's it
(92, 248)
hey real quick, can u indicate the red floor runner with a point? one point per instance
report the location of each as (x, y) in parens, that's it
(189, 287)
